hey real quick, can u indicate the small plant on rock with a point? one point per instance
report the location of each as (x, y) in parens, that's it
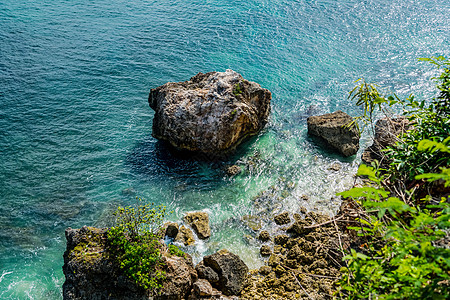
(134, 243)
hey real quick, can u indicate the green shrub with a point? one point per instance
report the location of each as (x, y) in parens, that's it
(403, 257)
(134, 243)
(174, 250)
(406, 253)
(429, 122)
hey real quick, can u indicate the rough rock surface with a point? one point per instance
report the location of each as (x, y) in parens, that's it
(210, 113)
(305, 265)
(92, 274)
(199, 221)
(282, 219)
(387, 131)
(185, 236)
(331, 128)
(202, 288)
(232, 170)
(232, 271)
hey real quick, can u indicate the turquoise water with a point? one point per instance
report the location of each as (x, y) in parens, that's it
(75, 137)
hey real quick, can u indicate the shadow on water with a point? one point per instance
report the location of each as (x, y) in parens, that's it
(153, 159)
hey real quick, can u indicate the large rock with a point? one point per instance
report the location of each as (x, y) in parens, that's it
(199, 221)
(332, 128)
(387, 131)
(231, 269)
(210, 113)
(92, 274)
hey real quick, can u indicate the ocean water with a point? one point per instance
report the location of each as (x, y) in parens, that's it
(75, 126)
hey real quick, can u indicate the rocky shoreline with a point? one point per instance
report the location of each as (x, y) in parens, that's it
(302, 261)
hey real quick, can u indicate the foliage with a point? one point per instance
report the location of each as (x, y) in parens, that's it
(429, 122)
(403, 258)
(174, 250)
(237, 90)
(406, 253)
(134, 243)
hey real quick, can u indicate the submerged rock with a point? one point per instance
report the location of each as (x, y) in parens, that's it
(210, 113)
(232, 271)
(333, 130)
(199, 221)
(232, 170)
(252, 222)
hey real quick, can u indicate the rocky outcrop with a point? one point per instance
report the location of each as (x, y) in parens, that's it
(303, 264)
(199, 221)
(230, 269)
(387, 131)
(210, 113)
(185, 236)
(92, 274)
(333, 130)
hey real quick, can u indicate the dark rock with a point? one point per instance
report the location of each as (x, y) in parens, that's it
(231, 269)
(179, 278)
(298, 227)
(282, 219)
(264, 236)
(265, 250)
(281, 239)
(210, 113)
(264, 270)
(199, 221)
(332, 128)
(207, 273)
(387, 131)
(171, 229)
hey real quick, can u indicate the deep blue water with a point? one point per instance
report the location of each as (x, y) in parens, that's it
(75, 126)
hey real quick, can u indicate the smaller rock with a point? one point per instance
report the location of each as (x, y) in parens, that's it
(171, 229)
(231, 269)
(281, 239)
(199, 221)
(334, 130)
(207, 273)
(304, 197)
(264, 270)
(335, 167)
(264, 236)
(282, 218)
(265, 250)
(232, 170)
(274, 260)
(203, 288)
(185, 236)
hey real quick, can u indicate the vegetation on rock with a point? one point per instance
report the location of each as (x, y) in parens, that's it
(134, 243)
(405, 210)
